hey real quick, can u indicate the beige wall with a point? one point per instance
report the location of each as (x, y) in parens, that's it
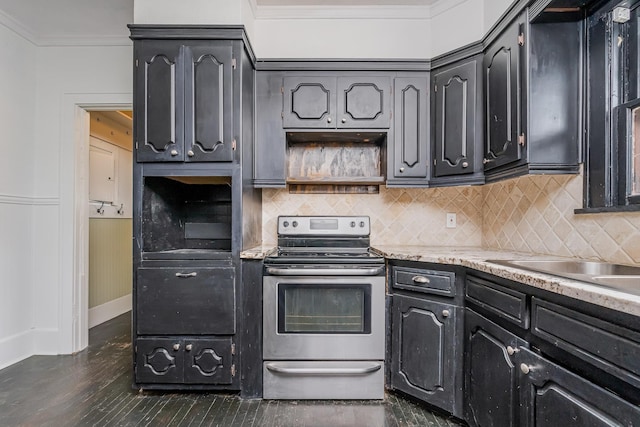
(110, 260)
(528, 214)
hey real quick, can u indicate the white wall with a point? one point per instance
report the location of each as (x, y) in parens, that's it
(17, 202)
(458, 26)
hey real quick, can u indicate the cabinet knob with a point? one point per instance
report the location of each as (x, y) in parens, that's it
(344, 120)
(525, 368)
(402, 169)
(176, 347)
(328, 119)
(420, 279)
(174, 152)
(465, 164)
(446, 313)
(188, 347)
(511, 351)
(190, 153)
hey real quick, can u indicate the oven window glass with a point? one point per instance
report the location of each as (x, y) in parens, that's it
(321, 309)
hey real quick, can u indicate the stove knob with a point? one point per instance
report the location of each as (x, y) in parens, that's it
(361, 224)
(352, 224)
(295, 223)
(285, 224)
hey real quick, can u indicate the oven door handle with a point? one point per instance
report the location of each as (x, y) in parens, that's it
(281, 271)
(274, 367)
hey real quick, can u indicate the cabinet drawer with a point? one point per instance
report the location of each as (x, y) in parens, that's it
(177, 301)
(611, 348)
(507, 303)
(425, 281)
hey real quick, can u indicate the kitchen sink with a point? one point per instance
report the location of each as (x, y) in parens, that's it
(624, 278)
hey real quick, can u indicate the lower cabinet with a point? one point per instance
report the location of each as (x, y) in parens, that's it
(182, 360)
(425, 351)
(554, 396)
(491, 373)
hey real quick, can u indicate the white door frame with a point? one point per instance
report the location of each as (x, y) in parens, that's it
(74, 217)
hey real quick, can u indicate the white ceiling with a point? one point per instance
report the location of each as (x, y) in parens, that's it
(101, 22)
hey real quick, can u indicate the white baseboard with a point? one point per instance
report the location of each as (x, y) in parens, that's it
(109, 310)
(16, 348)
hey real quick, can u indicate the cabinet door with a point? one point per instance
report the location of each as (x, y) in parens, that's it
(455, 120)
(159, 360)
(502, 73)
(490, 373)
(364, 102)
(411, 138)
(173, 301)
(424, 349)
(309, 102)
(553, 396)
(159, 101)
(208, 102)
(208, 361)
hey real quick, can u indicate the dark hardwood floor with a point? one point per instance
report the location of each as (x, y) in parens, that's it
(93, 388)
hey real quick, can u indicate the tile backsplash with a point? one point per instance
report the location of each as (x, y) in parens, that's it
(527, 214)
(535, 214)
(398, 216)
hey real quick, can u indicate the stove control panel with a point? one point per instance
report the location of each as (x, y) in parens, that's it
(324, 226)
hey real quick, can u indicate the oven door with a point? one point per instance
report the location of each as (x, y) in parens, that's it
(323, 318)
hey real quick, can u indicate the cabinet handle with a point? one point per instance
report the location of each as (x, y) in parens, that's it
(485, 161)
(328, 119)
(185, 275)
(176, 347)
(188, 347)
(465, 165)
(174, 152)
(344, 120)
(402, 169)
(525, 368)
(190, 153)
(511, 350)
(445, 313)
(420, 279)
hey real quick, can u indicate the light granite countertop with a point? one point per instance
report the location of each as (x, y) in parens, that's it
(475, 258)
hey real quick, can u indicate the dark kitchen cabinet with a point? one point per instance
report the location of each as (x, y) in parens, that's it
(457, 123)
(342, 102)
(533, 98)
(184, 101)
(185, 360)
(491, 377)
(186, 300)
(410, 164)
(554, 396)
(424, 347)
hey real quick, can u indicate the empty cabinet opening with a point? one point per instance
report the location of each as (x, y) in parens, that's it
(186, 217)
(335, 162)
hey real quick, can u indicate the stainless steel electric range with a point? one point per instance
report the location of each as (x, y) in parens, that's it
(324, 311)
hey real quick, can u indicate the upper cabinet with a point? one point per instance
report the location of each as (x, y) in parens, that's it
(332, 102)
(457, 123)
(184, 101)
(533, 98)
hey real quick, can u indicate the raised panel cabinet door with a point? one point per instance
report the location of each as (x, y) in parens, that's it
(184, 301)
(455, 120)
(208, 361)
(364, 102)
(159, 360)
(423, 351)
(309, 102)
(502, 74)
(411, 118)
(554, 396)
(208, 102)
(490, 373)
(159, 101)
